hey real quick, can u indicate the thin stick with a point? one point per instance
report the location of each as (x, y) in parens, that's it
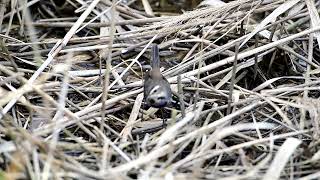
(234, 70)
(180, 93)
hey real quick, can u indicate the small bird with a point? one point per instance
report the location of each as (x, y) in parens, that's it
(157, 92)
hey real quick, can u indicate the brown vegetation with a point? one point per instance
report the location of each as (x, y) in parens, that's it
(245, 77)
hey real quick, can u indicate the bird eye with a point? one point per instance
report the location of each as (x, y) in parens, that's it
(152, 101)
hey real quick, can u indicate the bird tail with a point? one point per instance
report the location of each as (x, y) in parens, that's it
(155, 60)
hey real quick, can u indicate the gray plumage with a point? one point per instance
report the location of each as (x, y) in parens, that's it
(157, 92)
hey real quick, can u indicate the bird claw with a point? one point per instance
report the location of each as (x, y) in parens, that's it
(164, 123)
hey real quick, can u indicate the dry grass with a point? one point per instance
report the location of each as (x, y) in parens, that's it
(245, 78)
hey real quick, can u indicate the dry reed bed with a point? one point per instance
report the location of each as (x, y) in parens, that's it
(245, 77)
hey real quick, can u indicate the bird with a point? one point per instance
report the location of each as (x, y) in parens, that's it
(157, 92)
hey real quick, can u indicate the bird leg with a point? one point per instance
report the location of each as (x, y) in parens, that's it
(164, 121)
